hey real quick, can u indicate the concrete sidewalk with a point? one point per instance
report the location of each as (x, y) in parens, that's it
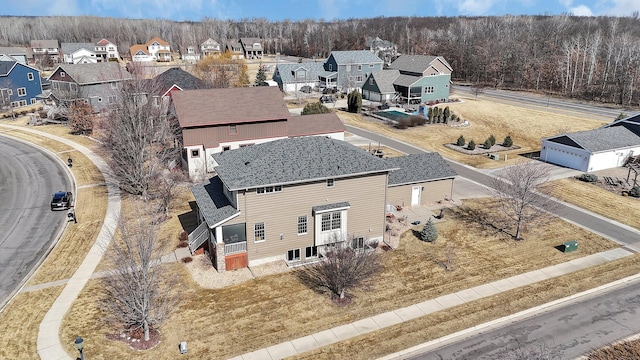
(49, 346)
(380, 321)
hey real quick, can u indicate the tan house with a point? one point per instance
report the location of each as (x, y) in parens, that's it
(217, 120)
(290, 200)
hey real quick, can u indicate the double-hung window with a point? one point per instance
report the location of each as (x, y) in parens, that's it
(259, 232)
(331, 221)
(302, 225)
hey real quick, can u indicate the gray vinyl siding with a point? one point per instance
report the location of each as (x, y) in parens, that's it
(212, 136)
(280, 210)
(433, 191)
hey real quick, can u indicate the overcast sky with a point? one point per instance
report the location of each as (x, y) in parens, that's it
(312, 9)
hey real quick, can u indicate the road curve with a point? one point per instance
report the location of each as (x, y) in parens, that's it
(28, 178)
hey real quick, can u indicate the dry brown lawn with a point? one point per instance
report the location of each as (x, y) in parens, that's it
(623, 209)
(526, 126)
(286, 309)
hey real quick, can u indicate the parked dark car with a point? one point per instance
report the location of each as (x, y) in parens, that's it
(329, 90)
(383, 107)
(306, 89)
(327, 99)
(62, 200)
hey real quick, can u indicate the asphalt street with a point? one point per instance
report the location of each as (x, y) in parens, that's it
(28, 178)
(605, 227)
(564, 332)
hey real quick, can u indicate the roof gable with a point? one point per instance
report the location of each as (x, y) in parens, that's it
(598, 140)
(94, 73)
(156, 41)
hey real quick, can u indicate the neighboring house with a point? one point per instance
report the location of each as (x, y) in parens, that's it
(155, 49)
(105, 48)
(291, 200)
(140, 53)
(97, 84)
(421, 179)
(19, 54)
(211, 123)
(350, 68)
(379, 86)
(252, 48)
(210, 47)
(174, 79)
(79, 53)
(385, 50)
(292, 77)
(19, 84)
(43, 49)
(189, 54)
(416, 79)
(607, 147)
(235, 48)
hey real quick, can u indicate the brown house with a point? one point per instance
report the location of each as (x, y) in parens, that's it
(217, 120)
(290, 200)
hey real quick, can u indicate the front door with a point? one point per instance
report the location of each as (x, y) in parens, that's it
(415, 196)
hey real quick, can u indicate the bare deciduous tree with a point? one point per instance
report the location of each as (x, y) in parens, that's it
(516, 187)
(140, 137)
(166, 189)
(138, 293)
(477, 89)
(343, 269)
(81, 118)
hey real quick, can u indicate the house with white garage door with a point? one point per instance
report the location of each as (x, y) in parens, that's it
(593, 150)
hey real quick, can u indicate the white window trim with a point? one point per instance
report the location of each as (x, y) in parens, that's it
(30, 76)
(264, 233)
(305, 224)
(331, 183)
(22, 91)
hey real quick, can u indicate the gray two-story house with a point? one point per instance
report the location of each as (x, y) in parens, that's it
(350, 68)
(97, 84)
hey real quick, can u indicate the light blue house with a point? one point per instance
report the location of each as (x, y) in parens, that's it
(415, 79)
(19, 84)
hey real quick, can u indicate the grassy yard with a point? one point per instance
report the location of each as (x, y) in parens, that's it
(285, 308)
(525, 126)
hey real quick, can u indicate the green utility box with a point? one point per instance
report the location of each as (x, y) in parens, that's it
(569, 246)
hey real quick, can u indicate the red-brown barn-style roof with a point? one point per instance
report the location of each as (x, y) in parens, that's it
(204, 107)
(316, 124)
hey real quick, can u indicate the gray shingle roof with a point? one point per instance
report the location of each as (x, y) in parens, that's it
(385, 79)
(416, 168)
(69, 48)
(315, 124)
(355, 57)
(326, 207)
(313, 70)
(213, 204)
(179, 77)
(5, 67)
(406, 80)
(415, 63)
(603, 139)
(294, 160)
(95, 73)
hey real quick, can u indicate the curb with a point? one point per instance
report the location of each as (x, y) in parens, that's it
(506, 320)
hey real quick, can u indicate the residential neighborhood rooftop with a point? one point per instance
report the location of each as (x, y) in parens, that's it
(213, 204)
(416, 63)
(178, 77)
(95, 73)
(229, 105)
(355, 57)
(416, 168)
(294, 160)
(306, 125)
(602, 139)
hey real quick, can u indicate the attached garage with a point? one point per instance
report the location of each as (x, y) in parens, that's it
(593, 150)
(419, 179)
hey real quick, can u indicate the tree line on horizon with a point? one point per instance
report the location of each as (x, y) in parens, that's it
(590, 58)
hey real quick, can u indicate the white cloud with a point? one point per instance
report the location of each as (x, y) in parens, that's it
(617, 7)
(581, 10)
(476, 7)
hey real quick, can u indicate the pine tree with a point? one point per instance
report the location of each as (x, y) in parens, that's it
(471, 145)
(261, 77)
(429, 232)
(492, 139)
(487, 144)
(354, 101)
(507, 141)
(430, 115)
(461, 141)
(447, 114)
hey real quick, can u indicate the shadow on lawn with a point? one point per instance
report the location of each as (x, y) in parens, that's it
(189, 220)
